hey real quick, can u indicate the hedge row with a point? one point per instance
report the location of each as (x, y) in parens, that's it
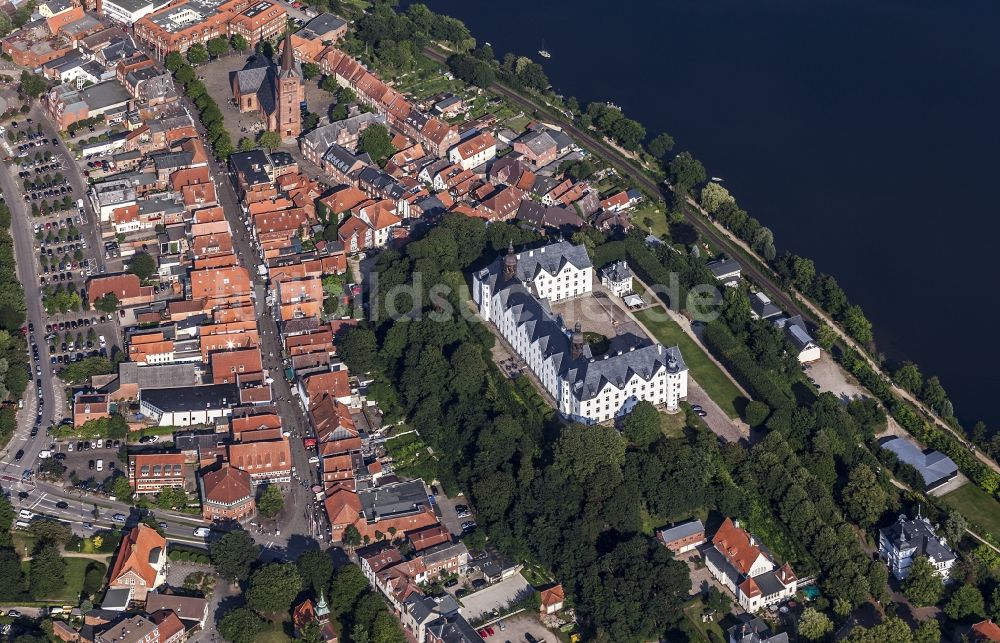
(761, 385)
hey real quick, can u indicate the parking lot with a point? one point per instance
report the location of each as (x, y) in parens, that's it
(515, 628)
(64, 238)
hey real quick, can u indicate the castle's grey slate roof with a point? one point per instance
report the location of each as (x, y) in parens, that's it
(627, 354)
(917, 533)
(935, 467)
(551, 259)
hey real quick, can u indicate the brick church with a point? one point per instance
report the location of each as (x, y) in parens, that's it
(276, 93)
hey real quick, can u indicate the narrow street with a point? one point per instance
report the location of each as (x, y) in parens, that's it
(298, 517)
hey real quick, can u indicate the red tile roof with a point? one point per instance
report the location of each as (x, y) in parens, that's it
(134, 554)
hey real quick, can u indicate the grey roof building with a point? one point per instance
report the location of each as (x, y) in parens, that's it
(755, 631)
(453, 629)
(762, 307)
(910, 538)
(935, 467)
(585, 387)
(725, 270)
(391, 500)
(542, 216)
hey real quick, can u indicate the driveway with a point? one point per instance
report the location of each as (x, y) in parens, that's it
(496, 596)
(717, 420)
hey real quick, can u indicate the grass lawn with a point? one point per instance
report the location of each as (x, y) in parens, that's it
(672, 424)
(712, 379)
(655, 213)
(273, 633)
(519, 123)
(693, 613)
(977, 505)
(76, 568)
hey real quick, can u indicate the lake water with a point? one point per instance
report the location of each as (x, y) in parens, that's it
(864, 133)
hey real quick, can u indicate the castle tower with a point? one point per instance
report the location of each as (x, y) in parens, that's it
(510, 263)
(291, 93)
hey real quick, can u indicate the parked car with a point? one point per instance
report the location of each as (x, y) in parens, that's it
(118, 517)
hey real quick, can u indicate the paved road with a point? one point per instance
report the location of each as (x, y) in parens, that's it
(24, 252)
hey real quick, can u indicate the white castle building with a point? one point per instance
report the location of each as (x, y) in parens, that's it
(514, 294)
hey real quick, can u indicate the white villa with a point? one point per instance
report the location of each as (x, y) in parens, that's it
(909, 538)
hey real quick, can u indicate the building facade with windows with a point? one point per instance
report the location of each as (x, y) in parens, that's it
(909, 538)
(514, 294)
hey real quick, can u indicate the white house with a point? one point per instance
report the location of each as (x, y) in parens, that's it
(617, 278)
(128, 12)
(909, 538)
(474, 151)
(514, 294)
(795, 330)
(744, 568)
(188, 405)
(726, 271)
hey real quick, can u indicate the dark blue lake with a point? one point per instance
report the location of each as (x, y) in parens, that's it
(864, 133)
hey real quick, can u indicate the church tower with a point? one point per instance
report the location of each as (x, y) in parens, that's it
(291, 93)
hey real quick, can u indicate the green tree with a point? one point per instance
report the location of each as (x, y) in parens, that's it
(954, 528)
(641, 426)
(273, 587)
(197, 54)
(928, 631)
(864, 498)
(310, 121)
(685, 172)
(247, 144)
(270, 140)
(580, 451)
(349, 584)
(239, 43)
(48, 530)
(377, 142)
(316, 569)
(93, 579)
(814, 624)
(351, 537)
(142, 265)
(107, 303)
(12, 573)
(756, 413)
(218, 46)
(271, 502)
(385, 629)
(310, 70)
(173, 61)
(47, 573)
(32, 85)
(661, 145)
(923, 584)
(892, 630)
(713, 195)
(233, 555)
(966, 601)
(241, 625)
(908, 376)
(359, 350)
